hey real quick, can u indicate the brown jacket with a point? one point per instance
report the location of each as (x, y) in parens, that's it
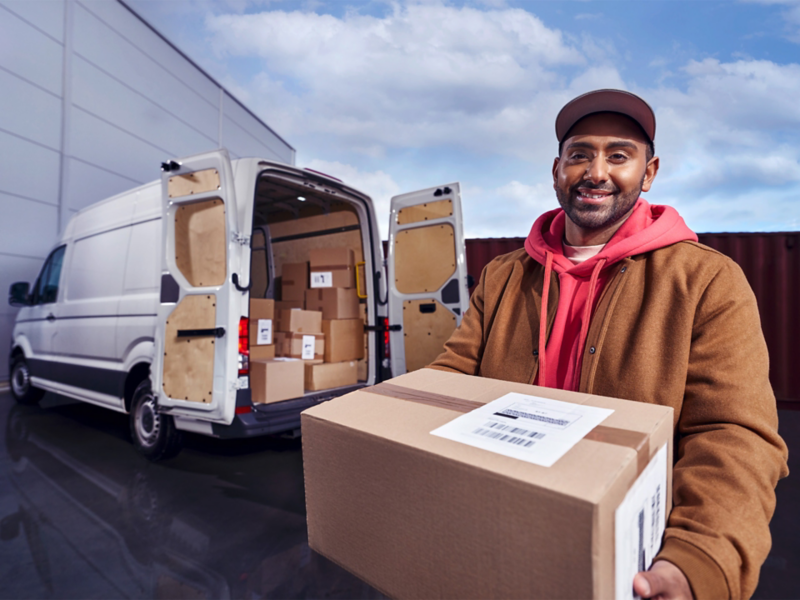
(679, 327)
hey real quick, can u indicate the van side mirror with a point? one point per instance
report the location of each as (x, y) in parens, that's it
(18, 294)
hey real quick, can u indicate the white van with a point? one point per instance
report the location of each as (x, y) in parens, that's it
(143, 305)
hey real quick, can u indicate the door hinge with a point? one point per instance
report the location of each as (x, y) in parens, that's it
(241, 239)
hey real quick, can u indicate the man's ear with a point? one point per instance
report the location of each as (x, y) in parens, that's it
(555, 172)
(650, 173)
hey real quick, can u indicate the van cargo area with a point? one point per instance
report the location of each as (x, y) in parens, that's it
(308, 259)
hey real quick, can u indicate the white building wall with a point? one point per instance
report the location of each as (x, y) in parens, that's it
(93, 101)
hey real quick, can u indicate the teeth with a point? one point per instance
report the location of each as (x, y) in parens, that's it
(595, 196)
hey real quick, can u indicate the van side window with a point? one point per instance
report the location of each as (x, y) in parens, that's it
(46, 290)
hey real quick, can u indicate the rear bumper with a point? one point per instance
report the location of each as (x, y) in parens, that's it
(270, 419)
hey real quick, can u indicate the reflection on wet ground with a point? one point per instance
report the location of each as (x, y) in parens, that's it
(83, 516)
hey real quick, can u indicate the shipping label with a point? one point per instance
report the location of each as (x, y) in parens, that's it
(309, 342)
(322, 279)
(264, 336)
(536, 430)
(639, 524)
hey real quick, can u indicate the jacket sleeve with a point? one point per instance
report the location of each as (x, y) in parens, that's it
(729, 457)
(463, 351)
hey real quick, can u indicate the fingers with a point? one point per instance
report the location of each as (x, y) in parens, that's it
(663, 580)
(643, 586)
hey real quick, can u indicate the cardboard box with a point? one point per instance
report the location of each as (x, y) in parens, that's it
(334, 303)
(291, 345)
(276, 379)
(262, 352)
(294, 281)
(262, 321)
(332, 267)
(417, 515)
(281, 305)
(344, 339)
(363, 369)
(330, 375)
(262, 308)
(300, 321)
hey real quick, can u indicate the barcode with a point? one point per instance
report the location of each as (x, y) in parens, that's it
(508, 433)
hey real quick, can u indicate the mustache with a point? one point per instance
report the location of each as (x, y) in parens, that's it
(598, 188)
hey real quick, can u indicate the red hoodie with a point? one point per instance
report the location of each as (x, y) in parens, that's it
(648, 228)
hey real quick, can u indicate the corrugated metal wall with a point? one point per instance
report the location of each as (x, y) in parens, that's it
(771, 263)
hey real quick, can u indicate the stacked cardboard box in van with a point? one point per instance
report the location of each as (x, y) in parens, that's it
(300, 334)
(332, 267)
(294, 282)
(262, 319)
(332, 292)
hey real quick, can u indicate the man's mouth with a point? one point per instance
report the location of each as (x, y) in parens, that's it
(590, 196)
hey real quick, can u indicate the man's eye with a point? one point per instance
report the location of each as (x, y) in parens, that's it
(578, 156)
(618, 156)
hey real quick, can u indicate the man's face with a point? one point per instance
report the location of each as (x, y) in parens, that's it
(602, 170)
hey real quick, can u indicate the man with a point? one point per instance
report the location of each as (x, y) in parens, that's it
(635, 308)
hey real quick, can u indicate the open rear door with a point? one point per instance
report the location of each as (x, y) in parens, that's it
(195, 368)
(428, 291)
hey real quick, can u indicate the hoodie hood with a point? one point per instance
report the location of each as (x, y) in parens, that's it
(648, 228)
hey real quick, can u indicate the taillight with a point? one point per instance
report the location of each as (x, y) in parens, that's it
(244, 346)
(387, 349)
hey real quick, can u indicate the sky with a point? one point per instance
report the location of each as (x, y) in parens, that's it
(392, 97)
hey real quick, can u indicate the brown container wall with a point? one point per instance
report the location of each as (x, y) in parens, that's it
(771, 263)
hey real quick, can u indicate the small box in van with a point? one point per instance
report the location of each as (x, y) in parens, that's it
(143, 305)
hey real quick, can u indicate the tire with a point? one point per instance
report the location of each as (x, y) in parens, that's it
(153, 433)
(21, 387)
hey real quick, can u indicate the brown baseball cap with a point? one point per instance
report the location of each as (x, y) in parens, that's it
(597, 101)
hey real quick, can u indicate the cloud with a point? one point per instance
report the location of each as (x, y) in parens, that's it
(790, 14)
(422, 75)
(432, 90)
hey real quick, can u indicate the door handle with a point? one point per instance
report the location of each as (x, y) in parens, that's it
(235, 280)
(217, 332)
(51, 317)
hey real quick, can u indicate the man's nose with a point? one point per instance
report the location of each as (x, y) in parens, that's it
(596, 171)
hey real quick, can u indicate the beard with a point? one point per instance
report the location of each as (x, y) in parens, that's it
(592, 216)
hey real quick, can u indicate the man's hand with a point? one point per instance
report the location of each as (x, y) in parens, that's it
(663, 581)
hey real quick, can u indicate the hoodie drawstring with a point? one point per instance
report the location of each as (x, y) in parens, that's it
(587, 315)
(548, 269)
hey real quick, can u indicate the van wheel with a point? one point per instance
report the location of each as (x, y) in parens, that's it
(154, 433)
(21, 387)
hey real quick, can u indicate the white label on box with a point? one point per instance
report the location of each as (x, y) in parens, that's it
(639, 524)
(308, 347)
(264, 336)
(322, 279)
(536, 430)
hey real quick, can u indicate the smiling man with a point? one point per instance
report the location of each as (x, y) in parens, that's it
(635, 308)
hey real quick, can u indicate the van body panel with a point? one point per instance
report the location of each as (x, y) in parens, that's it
(197, 374)
(427, 298)
(122, 257)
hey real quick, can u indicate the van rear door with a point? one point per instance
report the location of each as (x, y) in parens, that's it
(195, 368)
(428, 291)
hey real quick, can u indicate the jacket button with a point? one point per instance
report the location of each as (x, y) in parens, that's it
(592, 350)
